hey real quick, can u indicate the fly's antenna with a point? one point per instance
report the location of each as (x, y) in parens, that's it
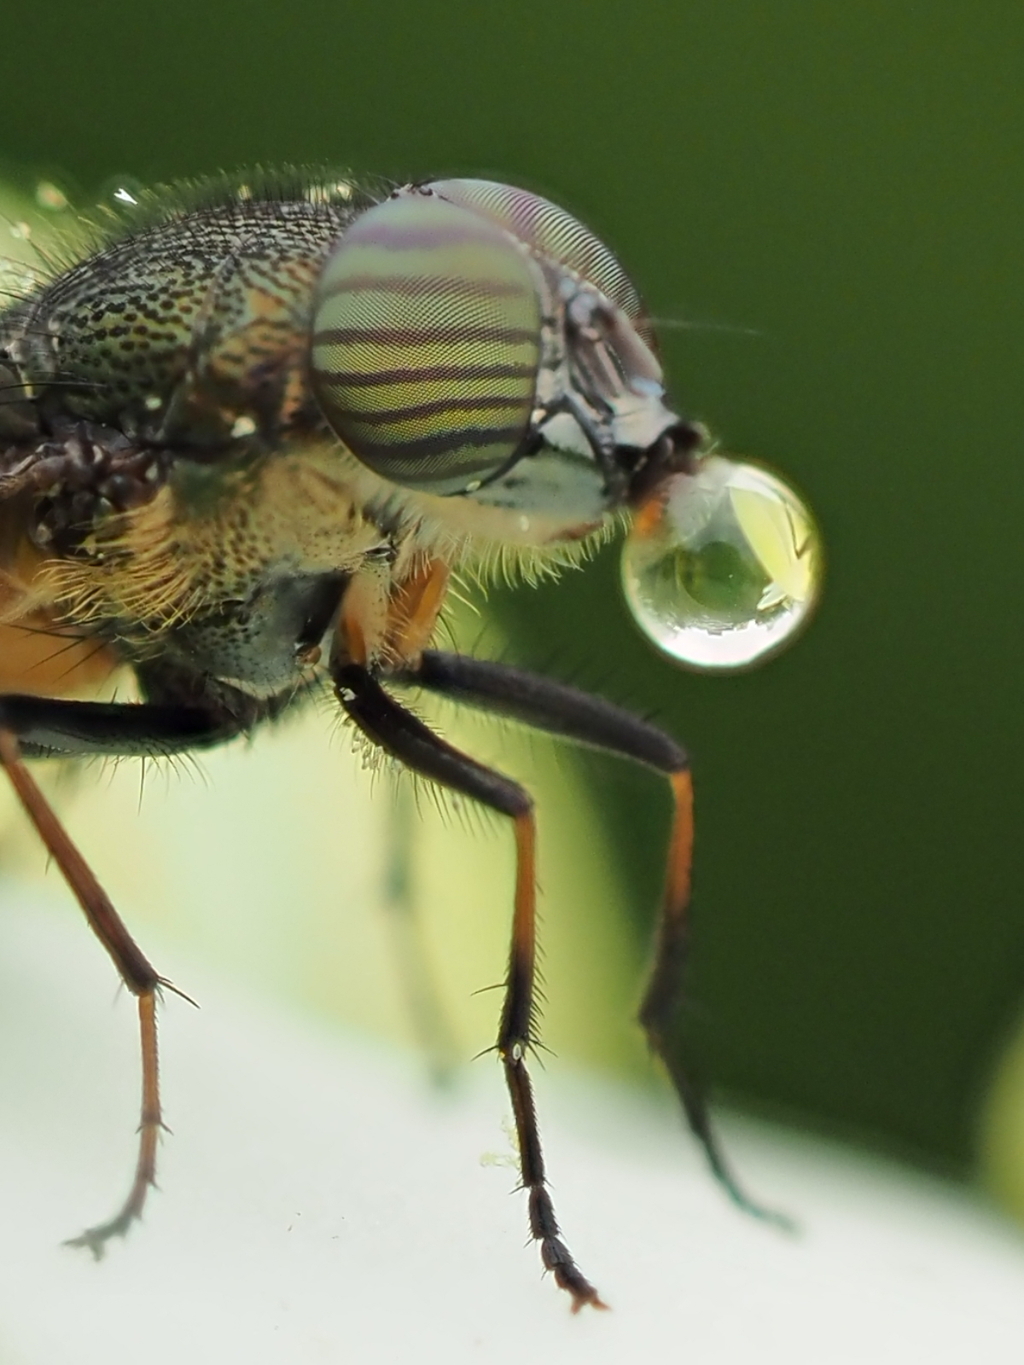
(692, 325)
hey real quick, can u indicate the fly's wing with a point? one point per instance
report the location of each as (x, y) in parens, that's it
(40, 658)
(40, 652)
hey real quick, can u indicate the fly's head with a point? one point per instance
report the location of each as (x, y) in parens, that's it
(477, 346)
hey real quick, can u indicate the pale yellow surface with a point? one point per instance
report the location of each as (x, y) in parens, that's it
(1001, 1130)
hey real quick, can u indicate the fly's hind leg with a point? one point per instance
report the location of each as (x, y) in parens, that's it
(663, 997)
(404, 736)
(572, 714)
(63, 727)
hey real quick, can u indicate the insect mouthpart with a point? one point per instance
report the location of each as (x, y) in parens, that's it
(676, 451)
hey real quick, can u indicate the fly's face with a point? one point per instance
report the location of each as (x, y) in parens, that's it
(473, 341)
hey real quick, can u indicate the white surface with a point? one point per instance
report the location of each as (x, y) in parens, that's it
(318, 1204)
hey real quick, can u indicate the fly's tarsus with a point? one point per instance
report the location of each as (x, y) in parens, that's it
(566, 711)
(664, 994)
(94, 1239)
(544, 1228)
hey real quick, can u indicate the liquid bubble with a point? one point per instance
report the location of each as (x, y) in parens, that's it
(722, 566)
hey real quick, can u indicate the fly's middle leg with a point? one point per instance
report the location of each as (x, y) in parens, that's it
(418, 982)
(405, 737)
(566, 711)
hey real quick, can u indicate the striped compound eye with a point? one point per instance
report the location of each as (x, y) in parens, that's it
(426, 343)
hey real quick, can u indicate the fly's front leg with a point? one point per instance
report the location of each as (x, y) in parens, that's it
(576, 715)
(401, 734)
(69, 727)
(136, 972)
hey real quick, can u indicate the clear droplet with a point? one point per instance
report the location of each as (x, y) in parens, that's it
(723, 565)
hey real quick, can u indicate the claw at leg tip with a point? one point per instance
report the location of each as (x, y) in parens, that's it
(592, 1300)
(86, 1241)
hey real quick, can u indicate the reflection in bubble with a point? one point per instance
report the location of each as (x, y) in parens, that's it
(723, 565)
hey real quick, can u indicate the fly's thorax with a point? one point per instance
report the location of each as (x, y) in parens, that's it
(481, 354)
(39, 653)
(186, 333)
(264, 645)
(239, 566)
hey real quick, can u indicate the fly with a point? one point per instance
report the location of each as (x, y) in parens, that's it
(245, 442)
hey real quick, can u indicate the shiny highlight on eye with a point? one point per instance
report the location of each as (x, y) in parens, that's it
(553, 233)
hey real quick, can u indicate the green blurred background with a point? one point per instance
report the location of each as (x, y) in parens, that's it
(836, 190)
